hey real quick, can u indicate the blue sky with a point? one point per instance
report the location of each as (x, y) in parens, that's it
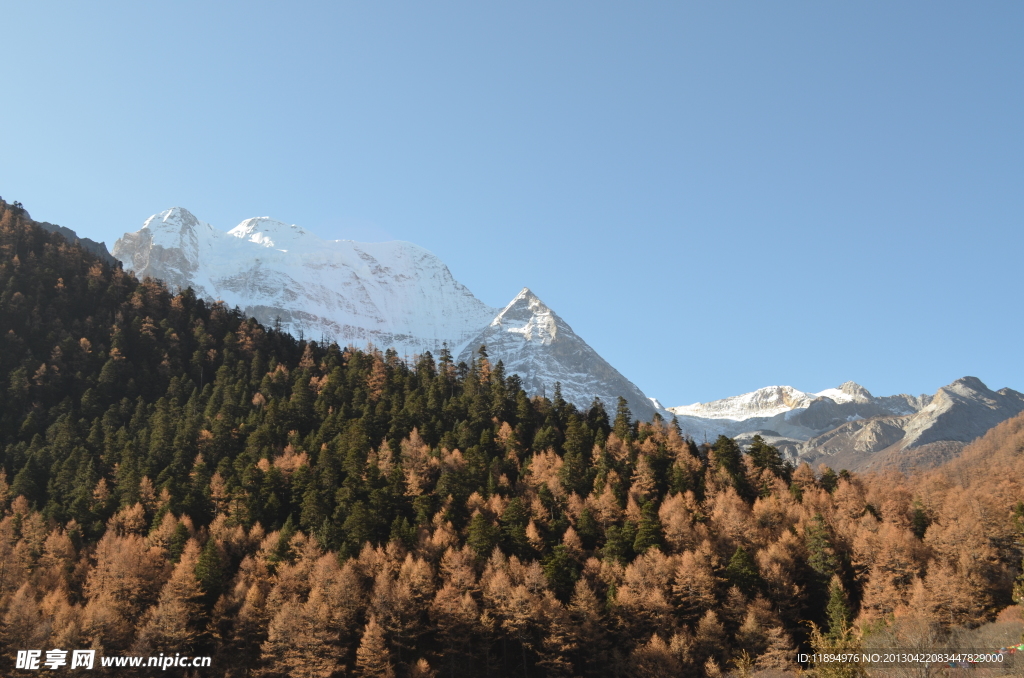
(716, 196)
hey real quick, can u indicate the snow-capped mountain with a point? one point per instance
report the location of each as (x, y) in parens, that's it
(535, 343)
(764, 402)
(788, 412)
(392, 294)
(847, 427)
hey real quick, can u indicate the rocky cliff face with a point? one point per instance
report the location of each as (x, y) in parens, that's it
(532, 341)
(956, 415)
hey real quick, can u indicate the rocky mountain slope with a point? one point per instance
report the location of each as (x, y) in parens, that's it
(847, 427)
(535, 343)
(788, 412)
(956, 415)
(87, 244)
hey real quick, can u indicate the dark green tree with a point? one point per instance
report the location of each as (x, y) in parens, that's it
(767, 457)
(837, 612)
(210, 572)
(742, 572)
(623, 426)
(514, 520)
(648, 532)
(483, 535)
(561, 571)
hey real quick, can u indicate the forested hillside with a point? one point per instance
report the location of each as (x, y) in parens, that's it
(177, 478)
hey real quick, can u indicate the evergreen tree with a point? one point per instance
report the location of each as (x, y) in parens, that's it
(210, 572)
(483, 535)
(623, 420)
(513, 527)
(742, 572)
(837, 612)
(767, 457)
(561, 572)
(618, 544)
(648, 532)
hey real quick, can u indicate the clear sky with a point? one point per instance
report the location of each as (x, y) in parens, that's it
(717, 196)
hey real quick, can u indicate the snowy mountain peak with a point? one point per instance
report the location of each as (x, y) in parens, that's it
(532, 341)
(528, 317)
(169, 247)
(764, 402)
(849, 391)
(176, 218)
(391, 294)
(770, 401)
(176, 227)
(272, 233)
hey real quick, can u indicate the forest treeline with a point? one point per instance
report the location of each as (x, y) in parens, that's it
(177, 478)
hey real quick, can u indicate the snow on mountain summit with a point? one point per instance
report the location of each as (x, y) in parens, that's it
(849, 391)
(531, 340)
(764, 402)
(171, 242)
(272, 233)
(392, 294)
(770, 401)
(526, 315)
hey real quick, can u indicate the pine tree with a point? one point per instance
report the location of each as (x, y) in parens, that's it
(766, 456)
(22, 626)
(654, 659)
(623, 426)
(649, 532)
(779, 654)
(825, 644)
(210, 572)
(822, 560)
(694, 585)
(837, 612)
(561, 572)
(514, 520)
(742, 572)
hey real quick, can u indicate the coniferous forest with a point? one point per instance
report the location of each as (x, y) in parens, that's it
(177, 478)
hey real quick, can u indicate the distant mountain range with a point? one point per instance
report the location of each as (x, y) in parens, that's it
(399, 295)
(847, 427)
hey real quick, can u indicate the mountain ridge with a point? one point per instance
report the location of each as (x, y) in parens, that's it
(392, 294)
(534, 342)
(847, 427)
